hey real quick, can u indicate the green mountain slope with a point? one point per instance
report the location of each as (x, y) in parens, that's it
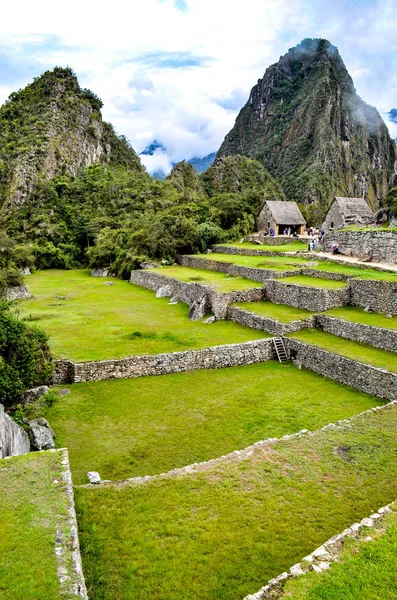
(305, 122)
(54, 127)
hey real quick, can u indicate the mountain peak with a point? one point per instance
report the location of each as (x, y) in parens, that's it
(306, 124)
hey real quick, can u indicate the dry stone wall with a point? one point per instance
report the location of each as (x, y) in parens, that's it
(191, 293)
(376, 246)
(308, 298)
(363, 377)
(248, 251)
(379, 337)
(379, 296)
(216, 357)
(256, 274)
(255, 321)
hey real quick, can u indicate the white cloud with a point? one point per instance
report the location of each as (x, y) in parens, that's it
(175, 74)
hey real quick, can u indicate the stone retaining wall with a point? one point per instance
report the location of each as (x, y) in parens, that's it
(380, 296)
(194, 292)
(249, 251)
(254, 273)
(255, 321)
(309, 298)
(379, 337)
(322, 558)
(376, 246)
(363, 377)
(216, 357)
(325, 274)
(67, 549)
(269, 240)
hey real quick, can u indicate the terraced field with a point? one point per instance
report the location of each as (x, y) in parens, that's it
(87, 320)
(136, 427)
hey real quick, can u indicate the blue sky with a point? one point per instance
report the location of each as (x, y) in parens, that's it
(179, 70)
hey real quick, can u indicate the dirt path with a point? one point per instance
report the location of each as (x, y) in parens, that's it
(354, 261)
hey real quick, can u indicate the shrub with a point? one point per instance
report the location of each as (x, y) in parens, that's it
(25, 359)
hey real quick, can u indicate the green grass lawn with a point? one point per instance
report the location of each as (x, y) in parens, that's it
(124, 428)
(356, 272)
(218, 281)
(326, 284)
(29, 507)
(358, 315)
(360, 352)
(279, 312)
(287, 247)
(279, 263)
(366, 570)
(87, 320)
(224, 532)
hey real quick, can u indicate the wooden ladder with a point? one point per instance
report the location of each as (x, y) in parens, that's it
(280, 350)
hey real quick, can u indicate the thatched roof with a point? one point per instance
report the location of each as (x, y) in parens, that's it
(354, 209)
(284, 212)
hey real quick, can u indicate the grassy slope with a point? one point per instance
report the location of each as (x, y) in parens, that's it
(29, 505)
(144, 426)
(280, 312)
(352, 313)
(218, 281)
(360, 352)
(317, 282)
(366, 570)
(224, 532)
(96, 321)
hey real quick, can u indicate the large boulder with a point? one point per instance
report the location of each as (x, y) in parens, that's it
(34, 394)
(13, 439)
(198, 309)
(41, 435)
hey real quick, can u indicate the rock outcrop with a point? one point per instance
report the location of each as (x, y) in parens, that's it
(305, 122)
(41, 435)
(13, 439)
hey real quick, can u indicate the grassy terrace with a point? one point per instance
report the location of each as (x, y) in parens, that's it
(366, 570)
(87, 320)
(279, 263)
(218, 281)
(317, 282)
(149, 425)
(356, 272)
(358, 315)
(279, 312)
(287, 247)
(29, 505)
(360, 352)
(224, 532)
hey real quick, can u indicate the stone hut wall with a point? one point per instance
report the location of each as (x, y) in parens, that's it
(334, 218)
(379, 296)
(193, 292)
(216, 357)
(379, 337)
(376, 246)
(314, 299)
(237, 270)
(255, 321)
(266, 219)
(363, 377)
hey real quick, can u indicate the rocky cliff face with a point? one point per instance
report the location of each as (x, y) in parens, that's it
(306, 124)
(53, 127)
